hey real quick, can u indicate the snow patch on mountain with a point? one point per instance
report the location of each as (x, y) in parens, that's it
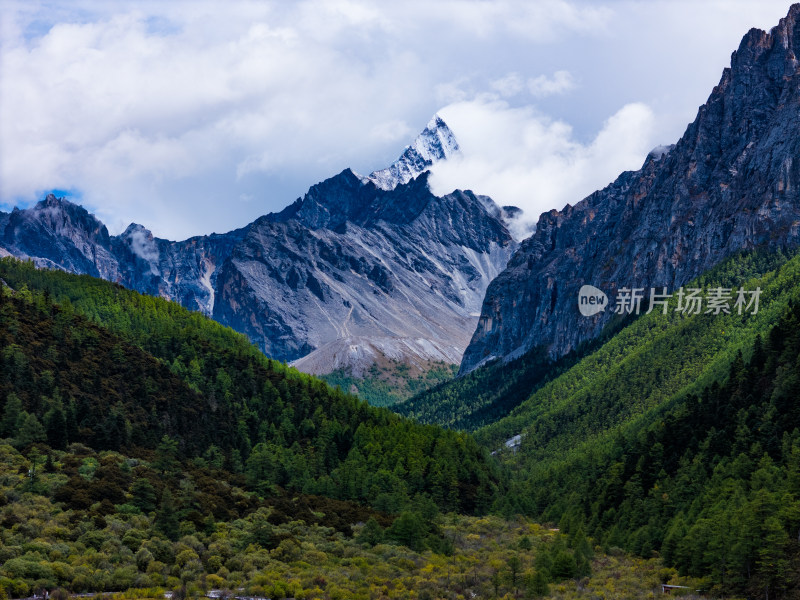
(436, 142)
(205, 282)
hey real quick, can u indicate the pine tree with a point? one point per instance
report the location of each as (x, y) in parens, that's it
(11, 416)
(371, 533)
(772, 563)
(408, 529)
(143, 495)
(166, 459)
(113, 431)
(31, 432)
(260, 468)
(537, 585)
(167, 516)
(514, 565)
(564, 566)
(55, 424)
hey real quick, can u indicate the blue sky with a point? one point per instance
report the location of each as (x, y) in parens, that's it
(192, 117)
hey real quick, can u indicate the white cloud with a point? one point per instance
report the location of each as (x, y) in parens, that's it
(395, 131)
(119, 111)
(510, 85)
(541, 21)
(559, 83)
(141, 245)
(521, 158)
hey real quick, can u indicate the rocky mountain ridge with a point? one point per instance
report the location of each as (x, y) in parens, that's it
(731, 183)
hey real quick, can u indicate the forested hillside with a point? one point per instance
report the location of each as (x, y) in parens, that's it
(123, 370)
(679, 436)
(656, 357)
(126, 415)
(143, 541)
(491, 392)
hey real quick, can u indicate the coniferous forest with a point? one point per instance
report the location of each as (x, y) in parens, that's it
(148, 448)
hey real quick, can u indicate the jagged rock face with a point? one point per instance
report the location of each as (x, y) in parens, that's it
(57, 234)
(185, 272)
(353, 261)
(397, 272)
(730, 183)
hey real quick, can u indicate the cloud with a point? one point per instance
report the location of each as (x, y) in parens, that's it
(130, 108)
(510, 85)
(142, 245)
(559, 83)
(522, 158)
(542, 21)
(395, 131)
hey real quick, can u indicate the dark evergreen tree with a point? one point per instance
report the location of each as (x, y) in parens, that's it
(11, 416)
(31, 432)
(408, 529)
(371, 534)
(167, 516)
(55, 424)
(143, 495)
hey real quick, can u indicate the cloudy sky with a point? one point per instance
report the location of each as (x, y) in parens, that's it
(192, 117)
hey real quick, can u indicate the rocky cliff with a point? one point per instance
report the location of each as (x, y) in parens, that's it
(732, 182)
(353, 263)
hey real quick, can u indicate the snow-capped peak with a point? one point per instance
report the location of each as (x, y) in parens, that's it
(435, 143)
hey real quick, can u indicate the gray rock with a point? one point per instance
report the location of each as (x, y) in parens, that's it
(55, 232)
(352, 261)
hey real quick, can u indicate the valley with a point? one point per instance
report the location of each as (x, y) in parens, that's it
(385, 391)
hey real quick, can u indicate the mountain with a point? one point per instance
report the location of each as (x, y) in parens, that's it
(368, 268)
(436, 142)
(58, 234)
(182, 271)
(359, 270)
(731, 183)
